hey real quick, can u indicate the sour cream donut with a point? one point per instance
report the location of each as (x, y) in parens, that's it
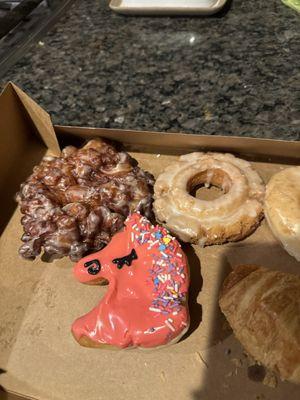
(230, 217)
(282, 208)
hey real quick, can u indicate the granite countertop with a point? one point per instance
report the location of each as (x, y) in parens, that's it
(233, 74)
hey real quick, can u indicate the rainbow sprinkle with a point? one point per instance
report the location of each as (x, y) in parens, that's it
(167, 271)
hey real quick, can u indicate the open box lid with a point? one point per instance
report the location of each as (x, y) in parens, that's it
(37, 300)
(26, 132)
(13, 101)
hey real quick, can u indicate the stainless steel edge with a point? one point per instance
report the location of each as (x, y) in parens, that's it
(116, 5)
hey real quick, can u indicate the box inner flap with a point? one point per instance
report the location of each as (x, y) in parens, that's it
(20, 150)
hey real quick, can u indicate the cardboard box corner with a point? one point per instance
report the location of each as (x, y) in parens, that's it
(38, 116)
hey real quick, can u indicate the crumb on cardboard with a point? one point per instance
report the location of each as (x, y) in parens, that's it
(249, 359)
(163, 376)
(270, 379)
(237, 362)
(245, 354)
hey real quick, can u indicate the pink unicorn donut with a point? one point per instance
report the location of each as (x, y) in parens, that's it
(146, 301)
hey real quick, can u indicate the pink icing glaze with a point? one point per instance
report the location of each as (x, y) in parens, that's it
(145, 304)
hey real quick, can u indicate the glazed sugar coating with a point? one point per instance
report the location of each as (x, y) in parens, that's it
(282, 208)
(74, 204)
(231, 217)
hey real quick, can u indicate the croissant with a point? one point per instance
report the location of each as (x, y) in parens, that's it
(263, 309)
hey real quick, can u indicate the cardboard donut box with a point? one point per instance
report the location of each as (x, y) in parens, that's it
(39, 358)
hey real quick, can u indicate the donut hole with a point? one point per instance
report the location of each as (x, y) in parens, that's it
(207, 193)
(209, 185)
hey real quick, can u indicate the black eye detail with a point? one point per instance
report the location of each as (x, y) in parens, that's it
(93, 266)
(126, 259)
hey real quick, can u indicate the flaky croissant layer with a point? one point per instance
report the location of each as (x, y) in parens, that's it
(263, 309)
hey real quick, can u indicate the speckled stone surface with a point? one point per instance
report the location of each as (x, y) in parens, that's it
(233, 74)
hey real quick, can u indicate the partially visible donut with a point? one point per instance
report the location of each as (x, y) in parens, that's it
(282, 208)
(230, 217)
(74, 204)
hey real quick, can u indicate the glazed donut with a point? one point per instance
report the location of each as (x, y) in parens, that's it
(228, 218)
(282, 208)
(74, 204)
(146, 301)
